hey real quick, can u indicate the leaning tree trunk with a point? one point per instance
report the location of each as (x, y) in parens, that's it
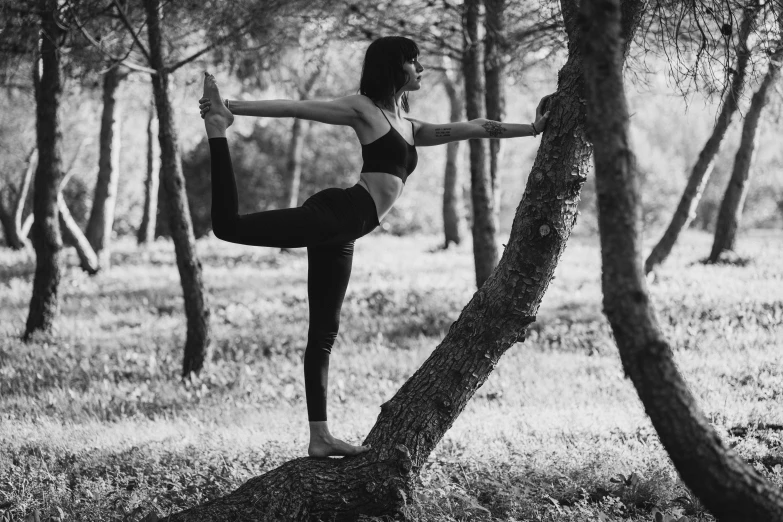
(686, 209)
(412, 423)
(730, 488)
(734, 198)
(101, 220)
(485, 249)
(88, 259)
(180, 225)
(146, 232)
(12, 218)
(493, 95)
(451, 186)
(46, 230)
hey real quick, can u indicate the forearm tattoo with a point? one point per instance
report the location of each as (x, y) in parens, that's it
(442, 132)
(494, 129)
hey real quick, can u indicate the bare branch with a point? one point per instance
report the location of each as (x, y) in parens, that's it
(192, 57)
(135, 37)
(127, 63)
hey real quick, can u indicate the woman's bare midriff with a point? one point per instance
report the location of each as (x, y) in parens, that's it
(384, 189)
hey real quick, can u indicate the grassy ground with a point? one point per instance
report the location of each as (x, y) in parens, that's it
(95, 424)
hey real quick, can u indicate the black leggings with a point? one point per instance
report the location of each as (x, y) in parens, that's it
(327, 224)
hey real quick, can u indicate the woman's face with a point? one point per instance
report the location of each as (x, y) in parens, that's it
(412, 69)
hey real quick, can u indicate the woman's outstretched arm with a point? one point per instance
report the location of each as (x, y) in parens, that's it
(427, 134)
(342, 111)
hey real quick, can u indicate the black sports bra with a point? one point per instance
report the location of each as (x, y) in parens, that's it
(390, 154)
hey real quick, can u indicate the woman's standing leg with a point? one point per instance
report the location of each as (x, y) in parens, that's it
(329, 269)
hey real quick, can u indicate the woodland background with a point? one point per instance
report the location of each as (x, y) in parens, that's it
(97, 420)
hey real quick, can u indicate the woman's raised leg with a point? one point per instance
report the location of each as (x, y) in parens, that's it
(218, 118)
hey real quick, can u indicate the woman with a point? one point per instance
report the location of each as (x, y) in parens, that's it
(330, 221)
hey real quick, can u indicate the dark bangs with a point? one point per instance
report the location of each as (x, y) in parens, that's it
(382, 73)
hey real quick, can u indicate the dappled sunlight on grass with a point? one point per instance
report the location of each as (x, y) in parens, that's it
(97, 423)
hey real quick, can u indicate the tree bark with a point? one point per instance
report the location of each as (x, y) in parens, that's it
(485, 249)
(101, 220)
(451, 185)
(734, 198)
(12, 218)
(686, 209)
(88, 259)
(730, 488)
(47, 242)
(146, 232)
(411, 424)
(180, 225)
(494, 93)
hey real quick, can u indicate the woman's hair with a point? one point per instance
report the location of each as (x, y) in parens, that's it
(382, 74)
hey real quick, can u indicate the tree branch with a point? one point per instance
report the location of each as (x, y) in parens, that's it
(192, 57)
(135, 37)
(127, 63)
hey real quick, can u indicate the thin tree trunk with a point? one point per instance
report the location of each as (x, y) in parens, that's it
(7, 222)
(88, 259)
(485, 249)
(146, 232)
(27, 225)
(296, 145)
(731, 489)
(12, 220)
(47, 242)
(494, 94)
(451, 185)
(196, 308)
(686, 209)
(294, 162)
(101, 220)
(412, 423)
(734, 198)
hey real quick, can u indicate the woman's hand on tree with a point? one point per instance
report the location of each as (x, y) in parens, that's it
(542, 113)
(203, 106)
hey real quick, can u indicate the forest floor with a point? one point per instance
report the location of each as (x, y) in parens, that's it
(95, 423)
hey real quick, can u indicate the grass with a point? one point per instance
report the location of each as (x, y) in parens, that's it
(96, 425)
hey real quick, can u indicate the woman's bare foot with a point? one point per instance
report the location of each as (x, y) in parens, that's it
(218, 118)
(323, 444)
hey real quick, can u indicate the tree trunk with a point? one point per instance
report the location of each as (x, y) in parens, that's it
(412, 423)
(734, 198)
(731, 489)
(494, 94)
(451, 185)
(298, 133)
(7, 222)
(12, 217)
(46, 230)
(485, 249)
(180, 225)
(88, 259)
(294, 162)
(99, 226)
(146, 232)
(686, 210)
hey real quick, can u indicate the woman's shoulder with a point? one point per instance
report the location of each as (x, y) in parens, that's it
(360, 102)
